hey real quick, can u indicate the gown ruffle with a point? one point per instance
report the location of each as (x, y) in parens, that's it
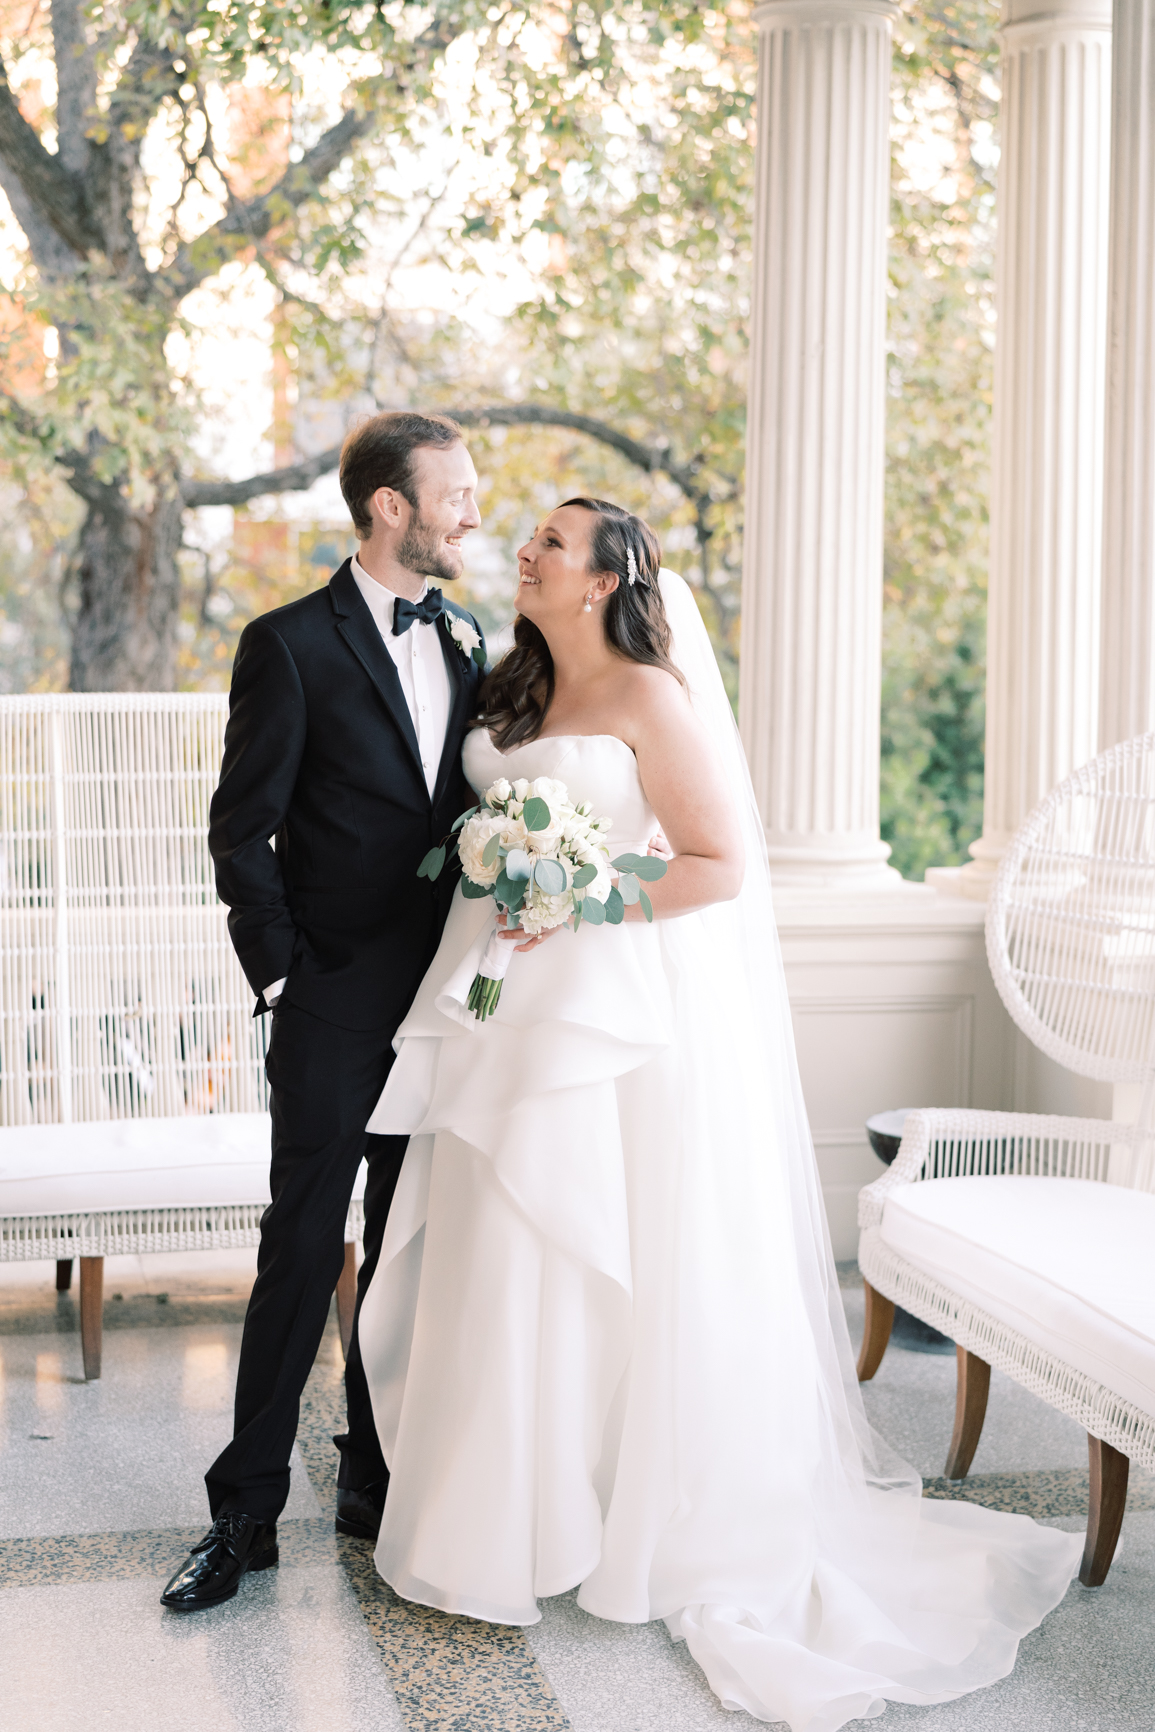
(585, 1345)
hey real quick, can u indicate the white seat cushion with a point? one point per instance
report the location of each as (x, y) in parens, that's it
(1066, 1262)
(194, 1162)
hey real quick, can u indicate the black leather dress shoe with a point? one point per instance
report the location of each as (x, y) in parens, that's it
(234, 1545)
(359, 1512)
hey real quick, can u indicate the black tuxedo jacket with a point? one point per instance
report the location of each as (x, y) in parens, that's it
(321, 754)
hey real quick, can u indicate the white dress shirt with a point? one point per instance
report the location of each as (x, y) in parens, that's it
(424, 678)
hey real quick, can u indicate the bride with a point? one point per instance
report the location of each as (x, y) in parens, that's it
(604, 1341)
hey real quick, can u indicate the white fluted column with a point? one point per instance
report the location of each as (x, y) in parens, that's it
(1047, 469)
(1128, 653)
(812, 586)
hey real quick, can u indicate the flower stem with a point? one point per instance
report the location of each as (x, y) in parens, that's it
(483, 996)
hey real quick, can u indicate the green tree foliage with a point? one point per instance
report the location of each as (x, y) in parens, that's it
(616, 140)
(941, 336)
(113, 252)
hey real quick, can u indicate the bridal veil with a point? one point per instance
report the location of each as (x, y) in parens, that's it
(873, 1593)
(605, 1340)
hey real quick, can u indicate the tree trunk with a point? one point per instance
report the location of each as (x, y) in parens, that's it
(124, 639)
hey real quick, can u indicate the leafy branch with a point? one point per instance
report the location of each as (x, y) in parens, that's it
(655, 459)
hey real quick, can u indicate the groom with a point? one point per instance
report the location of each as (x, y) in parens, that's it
(346, 721)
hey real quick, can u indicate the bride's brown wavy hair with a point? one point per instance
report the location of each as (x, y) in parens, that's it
(517, 693)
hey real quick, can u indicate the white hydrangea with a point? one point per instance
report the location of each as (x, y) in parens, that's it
(542, 912)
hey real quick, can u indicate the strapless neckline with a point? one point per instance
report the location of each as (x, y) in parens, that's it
(544, 739)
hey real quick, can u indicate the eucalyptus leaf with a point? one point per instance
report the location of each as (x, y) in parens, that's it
(549, 876)
(593, 911)
(489, 852)
(474, 892)
(535, 814)
(645, 866)
(629, 888)
(431, 866)
(518, 864)
(464, 819)
(583, 876)
(577, 914)
(647, 905)
(615, 908)
(510, 892)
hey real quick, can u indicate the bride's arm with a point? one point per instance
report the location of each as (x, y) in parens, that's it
(685, 785)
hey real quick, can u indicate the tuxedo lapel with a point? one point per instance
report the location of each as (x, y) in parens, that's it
(461, 685)
(359, 630)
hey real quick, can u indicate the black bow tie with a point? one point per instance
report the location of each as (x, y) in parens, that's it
(405, 612)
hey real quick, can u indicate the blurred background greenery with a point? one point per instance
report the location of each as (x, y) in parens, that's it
(607, 275)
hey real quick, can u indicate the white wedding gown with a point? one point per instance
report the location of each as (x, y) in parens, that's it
(604, 1342)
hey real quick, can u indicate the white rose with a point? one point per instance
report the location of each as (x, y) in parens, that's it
(464, 636)
(498, 792)
(552, 792)
(520, 788)
(603, 883)
(514, 833)
(471, 846)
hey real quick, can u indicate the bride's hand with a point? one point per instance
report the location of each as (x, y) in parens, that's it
(659, 846)
(504, 931)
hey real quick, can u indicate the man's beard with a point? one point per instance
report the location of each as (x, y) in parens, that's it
(421, 552)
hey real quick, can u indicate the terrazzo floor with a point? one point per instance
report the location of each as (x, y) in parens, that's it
(101, 1492)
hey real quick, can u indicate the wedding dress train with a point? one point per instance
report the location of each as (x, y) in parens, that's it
(604, 1342)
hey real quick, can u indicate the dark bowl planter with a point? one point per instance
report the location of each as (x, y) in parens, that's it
(885, 1133)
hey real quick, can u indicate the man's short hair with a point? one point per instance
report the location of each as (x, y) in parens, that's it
(379, 453)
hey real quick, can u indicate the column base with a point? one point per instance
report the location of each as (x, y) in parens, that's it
(817, 867)
(975, 880)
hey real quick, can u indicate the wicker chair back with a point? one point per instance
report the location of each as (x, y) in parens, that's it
(120, 994)
(1071, 920)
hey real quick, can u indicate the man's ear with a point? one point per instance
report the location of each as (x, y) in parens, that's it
(387, 506)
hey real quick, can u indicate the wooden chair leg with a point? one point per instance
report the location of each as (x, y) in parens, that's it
(347, 1297)
(1109, 1469)
(63, 1274)
(972, 1389)
(91, 1314)
(879, 1321)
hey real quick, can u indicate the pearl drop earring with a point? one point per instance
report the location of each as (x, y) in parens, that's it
(587, 608)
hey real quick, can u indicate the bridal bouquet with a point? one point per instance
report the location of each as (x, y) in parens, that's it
(544, 861)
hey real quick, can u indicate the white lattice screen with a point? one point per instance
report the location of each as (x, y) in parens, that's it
(120, 995)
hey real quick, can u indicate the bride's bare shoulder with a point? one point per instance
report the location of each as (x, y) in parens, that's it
(649, 682)
(654, 706)
(652, 693)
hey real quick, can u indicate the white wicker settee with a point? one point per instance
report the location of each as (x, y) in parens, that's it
(1030, 1239)
(133, 1102)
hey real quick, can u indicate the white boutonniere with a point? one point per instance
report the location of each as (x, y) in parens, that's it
(466, 639)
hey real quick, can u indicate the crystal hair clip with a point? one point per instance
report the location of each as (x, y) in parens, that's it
(631, 567)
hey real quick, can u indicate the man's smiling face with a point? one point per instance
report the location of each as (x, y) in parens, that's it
(445, 483)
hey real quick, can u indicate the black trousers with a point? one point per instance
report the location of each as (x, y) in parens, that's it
(324, 1084)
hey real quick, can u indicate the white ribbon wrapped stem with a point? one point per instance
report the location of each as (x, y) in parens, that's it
(496, 956)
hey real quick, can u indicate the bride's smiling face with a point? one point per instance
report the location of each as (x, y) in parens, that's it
(554, 576)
